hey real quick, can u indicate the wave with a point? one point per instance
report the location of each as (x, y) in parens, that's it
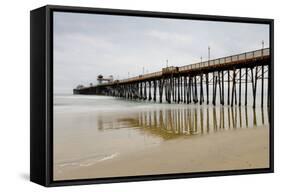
(88, 161)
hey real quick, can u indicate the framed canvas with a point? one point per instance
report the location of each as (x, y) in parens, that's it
(125, 95)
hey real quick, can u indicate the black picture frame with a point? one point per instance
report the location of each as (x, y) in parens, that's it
(41, 94)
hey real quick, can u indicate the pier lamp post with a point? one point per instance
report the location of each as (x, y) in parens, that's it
(209, 54)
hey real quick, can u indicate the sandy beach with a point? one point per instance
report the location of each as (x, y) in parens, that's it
(226, 150)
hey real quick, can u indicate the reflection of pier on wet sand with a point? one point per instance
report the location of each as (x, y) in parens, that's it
(172, 123)
(190, 140)
(136, 138)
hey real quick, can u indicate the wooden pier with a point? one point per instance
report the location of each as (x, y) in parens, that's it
(186, 84)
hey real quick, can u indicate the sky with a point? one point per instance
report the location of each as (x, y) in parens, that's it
(86, 45)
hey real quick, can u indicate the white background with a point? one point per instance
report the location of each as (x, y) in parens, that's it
(14, 94)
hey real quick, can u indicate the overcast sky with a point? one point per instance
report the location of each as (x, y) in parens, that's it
(86, 45)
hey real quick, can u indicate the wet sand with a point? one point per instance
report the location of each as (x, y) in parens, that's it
(226, 150)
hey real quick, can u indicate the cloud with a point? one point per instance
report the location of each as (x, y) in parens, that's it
(86, 45)
(170, 37)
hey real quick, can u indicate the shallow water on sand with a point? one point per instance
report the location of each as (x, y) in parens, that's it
(91, 129)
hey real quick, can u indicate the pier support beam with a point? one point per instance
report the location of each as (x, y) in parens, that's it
(240, 77)
(178, 89)
(207, 87)
(174, 89)
(155, 90)
(222, 86)
(141, 96)
(145, 92)
(192, 90)
(168, 85)
(181, 88)
(201, 89)
(188, 90)
(233, 87)
(269, 86)
(228, 87)
(149, 94)
(253, 87)
(195, 89)
(219, 82)
(184, 89)
(214, 88)
(262, 84)
(246, 85)
(161, 85)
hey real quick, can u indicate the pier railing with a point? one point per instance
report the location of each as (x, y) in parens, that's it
(214, 62)
(228, 59)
